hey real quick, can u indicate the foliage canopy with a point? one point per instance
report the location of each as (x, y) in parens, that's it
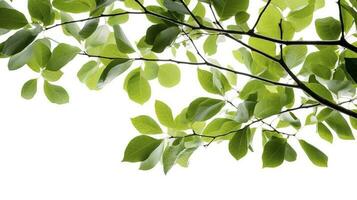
(279, 72)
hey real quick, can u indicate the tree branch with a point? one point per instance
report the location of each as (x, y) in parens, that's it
(192, 15)
(214, 137)
(341, 43)
(341, 20)
(259, 17)
(191, 63)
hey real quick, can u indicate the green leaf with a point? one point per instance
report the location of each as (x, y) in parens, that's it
(291, 119)
(316, 156)
(353, 120)
(41, 53)
(328, 28)
(20, 59)
(215, 83)
(241, 17)
(191, 57)
(339, 124)
(61, 55)
(100, 7)
(290, 153)
(138, 88)
(269, 22)
(154, 158)
(294, 55)
(203, 108)
(274, 152)
(171, 154)
(164, 114)
(71, 29)
(228, 8)
(320, 90)
(140, 148)
(99, 37)
(210, 45)
(122, 41)
(151, 70)
(301, 16)
(206, 80)
(12, 19)
(183, 159)
(238, 145)
(169, 75)
(146, 125)
(320, 63)
(119, 19)
(74, 6)
(29, 89)
(219, 126)
(51, 76)
(55, 94)
(113, 70)
(175, 6)
(165, 38)
(324, 132)
(268, 106)
(351, 67)
(153, 31)
(19, 41)
(42, 11)
(87, 70)
(245, 111)
(89, 28)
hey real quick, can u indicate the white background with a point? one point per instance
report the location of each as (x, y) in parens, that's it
(74, 151)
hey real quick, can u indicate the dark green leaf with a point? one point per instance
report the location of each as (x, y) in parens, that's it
(238, 145)
(316, 156)
(228, 8)
(12, 19)
(113, 70)
(339, 124)
(171, 154)
(41, 10)
(324, 132)
(154, 158)
(122, 42)
(351, 67)
(203, 108)
(290, 153)
(140, 148)
(328, 28)
(274, 152)
(165, 38)
(61, 55)
(89, 28)
(19, 41)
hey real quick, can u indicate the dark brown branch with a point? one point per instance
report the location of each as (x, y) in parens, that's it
(300, 84)
(341, 20)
